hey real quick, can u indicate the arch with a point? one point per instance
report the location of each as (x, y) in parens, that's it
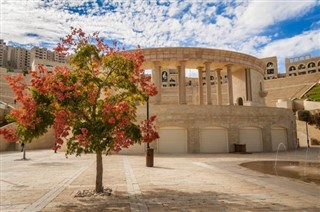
(292, 68)
(301, 66)
(319, 63)
(269, 65)
(164, 76)
(240, 101)
(311, 65)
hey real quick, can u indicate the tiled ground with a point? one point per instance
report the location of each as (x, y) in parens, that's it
(189, 182)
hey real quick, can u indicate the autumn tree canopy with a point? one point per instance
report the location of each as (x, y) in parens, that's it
(91, 105)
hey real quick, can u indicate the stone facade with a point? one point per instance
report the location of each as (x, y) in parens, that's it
(271, 67)
(236, 107)
(302, 65)
(193, 118)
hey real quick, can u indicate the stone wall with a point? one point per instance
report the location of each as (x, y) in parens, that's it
(302, 135)
(45, 141)
(233, 118)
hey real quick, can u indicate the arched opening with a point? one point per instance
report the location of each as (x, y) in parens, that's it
(311, 65)
(292, 68)
(240, 101)
(164, 76)
(269, 65)
(301, 66)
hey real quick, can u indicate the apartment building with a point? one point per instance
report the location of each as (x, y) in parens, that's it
(21, 58)
(301, 65)
(3, 53)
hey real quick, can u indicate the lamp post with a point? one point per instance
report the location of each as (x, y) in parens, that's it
(149, 157)
(307, 134)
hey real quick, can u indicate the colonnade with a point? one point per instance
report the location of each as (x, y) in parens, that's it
(181, 67)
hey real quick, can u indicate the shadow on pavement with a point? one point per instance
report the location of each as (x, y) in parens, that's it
(172, 200)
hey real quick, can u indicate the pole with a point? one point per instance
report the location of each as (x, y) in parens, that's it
(149, 157)
(148, 146)
(307, 134)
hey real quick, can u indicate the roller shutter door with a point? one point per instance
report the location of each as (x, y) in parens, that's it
(252, 137)
(213, 140)
(278, 136)
(172, 140)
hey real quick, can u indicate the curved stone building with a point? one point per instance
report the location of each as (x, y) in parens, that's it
(206, 115)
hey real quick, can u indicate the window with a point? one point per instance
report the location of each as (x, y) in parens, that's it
(269, 65)
(301, 66)
(292, 68)
(311, 65)
(270, 71)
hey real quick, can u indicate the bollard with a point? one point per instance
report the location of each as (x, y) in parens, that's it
(149, 158)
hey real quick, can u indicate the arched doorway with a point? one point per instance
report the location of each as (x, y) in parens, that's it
(240, 101)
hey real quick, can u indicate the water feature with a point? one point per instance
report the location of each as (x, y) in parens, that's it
(305, 165)
(292, 169)
(285, 149)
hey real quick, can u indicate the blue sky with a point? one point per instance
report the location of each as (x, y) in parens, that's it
(283, 28)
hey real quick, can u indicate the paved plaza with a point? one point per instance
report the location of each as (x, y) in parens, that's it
(188, 182)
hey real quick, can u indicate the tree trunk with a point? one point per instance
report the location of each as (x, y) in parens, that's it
(24, 152)
(99, 185)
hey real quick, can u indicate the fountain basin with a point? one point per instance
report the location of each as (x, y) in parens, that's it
(305, 171)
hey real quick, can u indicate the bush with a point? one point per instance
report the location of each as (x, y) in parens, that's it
(315, 141)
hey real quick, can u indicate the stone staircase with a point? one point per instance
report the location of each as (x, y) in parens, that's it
(289, 88)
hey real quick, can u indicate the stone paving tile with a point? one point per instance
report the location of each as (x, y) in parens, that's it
(177, 183)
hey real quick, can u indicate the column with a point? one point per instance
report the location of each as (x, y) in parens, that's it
(200, 85)
(182, 82)
(219, 95)
(248, 84)
(209, 100)
(230, 87)
(156, 78)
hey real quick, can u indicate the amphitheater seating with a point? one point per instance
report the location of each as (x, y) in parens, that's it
(289, 87)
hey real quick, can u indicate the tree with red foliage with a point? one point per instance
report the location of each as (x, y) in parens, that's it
(92, 106)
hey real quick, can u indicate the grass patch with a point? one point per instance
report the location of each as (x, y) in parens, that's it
(313, 94)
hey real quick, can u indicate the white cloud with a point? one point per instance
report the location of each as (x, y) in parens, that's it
(300, 44)
(241, 25)
(261, 14)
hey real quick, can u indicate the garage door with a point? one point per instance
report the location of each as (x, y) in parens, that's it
(134, 149)
(213, 140)
(278, 136)
(252, 137)
(172, 140)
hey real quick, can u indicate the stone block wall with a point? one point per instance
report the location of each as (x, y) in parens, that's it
(233, 118)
